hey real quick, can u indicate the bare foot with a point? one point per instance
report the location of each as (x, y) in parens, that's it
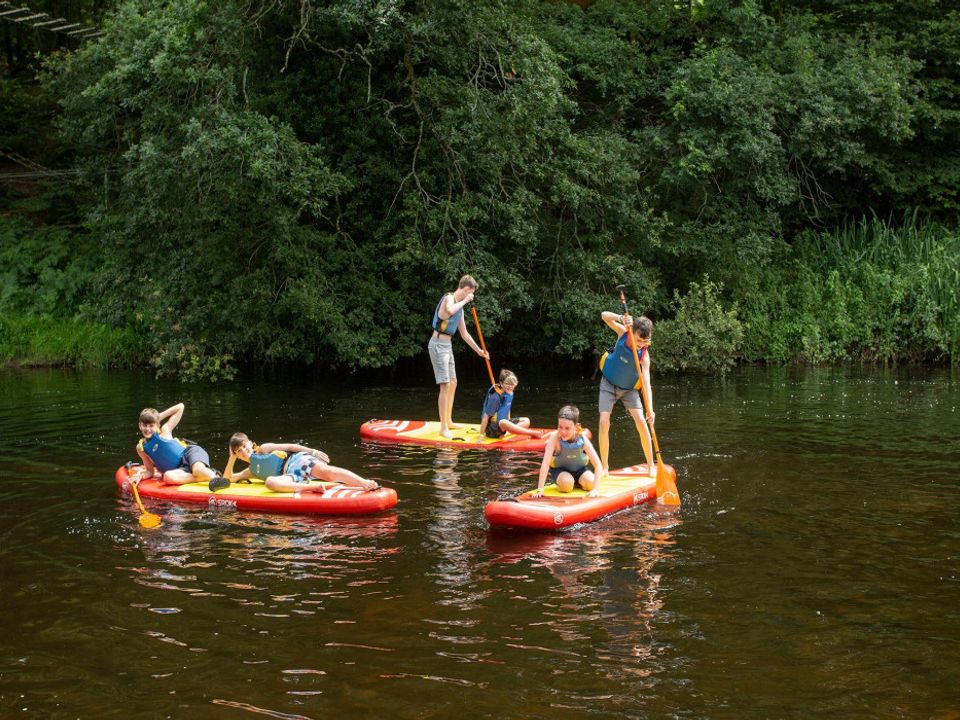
(447, 434)
(370, 485)
(454, 426)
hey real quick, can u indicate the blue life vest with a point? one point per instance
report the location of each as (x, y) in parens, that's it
(571, 455)
(496, 397)
(451, 324)
(618, 365)
(264, 465)
(165, 453)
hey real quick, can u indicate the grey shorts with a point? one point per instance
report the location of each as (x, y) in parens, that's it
(441, 355)
(610, 393)
(193, 454)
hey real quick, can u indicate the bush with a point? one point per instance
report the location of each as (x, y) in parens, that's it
(702, 335)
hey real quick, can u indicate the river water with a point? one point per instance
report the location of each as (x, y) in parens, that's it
(812, 571)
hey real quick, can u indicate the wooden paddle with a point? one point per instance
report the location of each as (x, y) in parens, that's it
(483, 346)
(147, 519)
(667, 493)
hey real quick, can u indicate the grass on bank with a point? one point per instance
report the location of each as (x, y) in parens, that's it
(45, 341)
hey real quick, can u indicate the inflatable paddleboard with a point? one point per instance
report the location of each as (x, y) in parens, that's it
(421, 432)
(621, 489)
(337, 499)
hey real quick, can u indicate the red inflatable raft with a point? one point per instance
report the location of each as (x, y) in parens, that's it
(424, 432)
(335, 500)
(621, 489)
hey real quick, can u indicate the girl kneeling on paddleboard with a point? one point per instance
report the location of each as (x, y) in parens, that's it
(287, 467)
(565, 456)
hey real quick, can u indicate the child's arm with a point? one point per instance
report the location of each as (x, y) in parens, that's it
(452, 307)
(149, 469)
(294, 448)
(175, 413)
(615, 322)
(545, 465)
(645, 372)
(468, 339)
(597, 466)
(483, 423)
(228, 470)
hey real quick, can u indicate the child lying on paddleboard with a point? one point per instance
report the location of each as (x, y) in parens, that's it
(169, 458)
(287, 467)
(566, 454)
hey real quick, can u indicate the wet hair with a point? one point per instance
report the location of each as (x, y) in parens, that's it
(236, 440)
(569, 412)
(467, 281)
(507, 376)
(149, 416)
(643, 326)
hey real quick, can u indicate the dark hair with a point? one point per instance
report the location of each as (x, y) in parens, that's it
(149, 416)
(643, 326)
(569, 412)
(236, 440)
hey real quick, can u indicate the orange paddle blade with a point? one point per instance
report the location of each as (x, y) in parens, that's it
(147, 519)
(667, 493)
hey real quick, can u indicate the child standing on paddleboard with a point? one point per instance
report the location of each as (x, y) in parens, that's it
(620, 382)
(447, 320)
(174, 460)
(566, 454)
(496, 421)
(287, 467)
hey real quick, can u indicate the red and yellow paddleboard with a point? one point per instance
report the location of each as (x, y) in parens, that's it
(621, 489)
(423, 432)
(336, 499)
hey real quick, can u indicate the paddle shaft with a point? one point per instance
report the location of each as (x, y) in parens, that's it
(483, 345)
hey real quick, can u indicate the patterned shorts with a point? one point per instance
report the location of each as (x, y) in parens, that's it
(299, 467)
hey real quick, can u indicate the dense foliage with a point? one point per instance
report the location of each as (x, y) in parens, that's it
(301, 181)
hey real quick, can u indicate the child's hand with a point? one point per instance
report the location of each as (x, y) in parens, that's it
(320, 455)
(593, 493)
(651, 417)
(484, 354)
(538, 493)
(468, 298)
(627, 320)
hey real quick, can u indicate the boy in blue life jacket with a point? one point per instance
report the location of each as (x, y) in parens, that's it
(171, 459)
(566, 454)
(448, 320)
(287, 467)
(496, 421)
(620, 382)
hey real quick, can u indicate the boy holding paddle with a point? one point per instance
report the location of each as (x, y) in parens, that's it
(621, 382)
(447, 320)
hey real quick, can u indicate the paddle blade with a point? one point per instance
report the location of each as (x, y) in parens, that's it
(667, 493)
(149, 520)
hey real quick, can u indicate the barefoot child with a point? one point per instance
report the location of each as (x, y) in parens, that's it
(566, 454)
(447, 320)
(287, 467)
(496, 421)
(176, 461)
(620, 382)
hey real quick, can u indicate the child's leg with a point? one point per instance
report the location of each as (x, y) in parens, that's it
(332, 473)
(201, 472)
(565, 482)
(644, 432)
(178, 476)
(518, 427)
(442, 406)
(603, 441)
(286, 484)
(451, 392)
(587, 480)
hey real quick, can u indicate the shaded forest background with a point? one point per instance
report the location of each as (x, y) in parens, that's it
(210, 184)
